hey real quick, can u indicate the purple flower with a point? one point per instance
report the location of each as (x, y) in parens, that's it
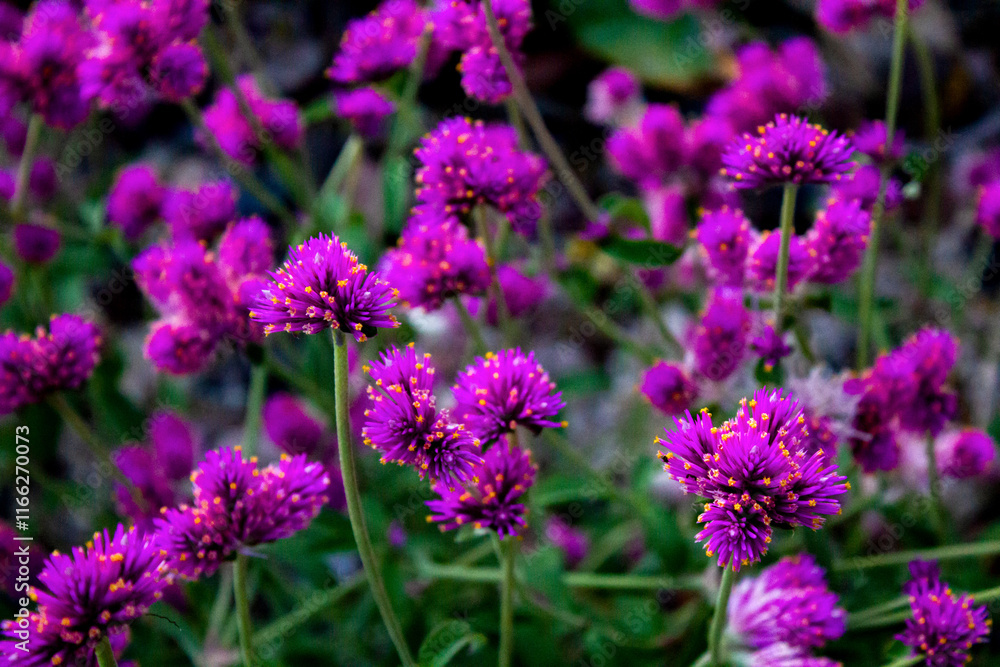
(521, 293)
(668, 388)
(720, 338)
(787, 150)
(6, 283)
(841, 16)
(873, 440)
(173, 444)
(754, 473)
(365, 108)
(181, 19)
(788, 603)
(179, 71)
(492, 501)
(944, 625)
(435, 260)
(988, 209)
(202, 213)
(783, 655)
(668, 218)
(289, 426)
(572, 542)
(871, 140)
(36, 244)
(504, 390)
(763, 264)
(403, 422)
(837, 241)
(138, 465)
(380, 44)
(135, 200)
(466, 163)
(863, 185)
(770, 346)
(483, 75)
(613, 96)
(42, 179)
(226, 122)
(91, 593)
(322, 285)
(707, 139)
(179, 348)
(238, 505)
(668, 9)
(963, 454)
(725, 237)
(652, 151)
(917, 373)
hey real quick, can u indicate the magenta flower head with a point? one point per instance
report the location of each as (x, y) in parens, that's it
(763, 264)
(871, 140)
(988, 209)
(180, 348)
(873, 441)
(6, 283)
(36, 244)
(783, 655)
(520, 292)
(135, 200)
(720, 338)
(366, 109)
(652, 151)
(435, 260)
(613, 97)
(404, 423)
(966, 453)
(93, 592)
(754, 473)
(238, 505)
(917, 373)
(465, 163)
(668, 388)
(842, 16)
(380, 44)
(725, 237)
(322, 285)
(492, 501)
(837, 241)
(945, 626)
(173, 444)
(668, 9)
(225, 121)
(179, 71)
(788, 603)
(787, 150)
(483, 75)
(572, 542)
(504, 390)
(289, 426)
(200, 214)
(863, 185)
(770, 346)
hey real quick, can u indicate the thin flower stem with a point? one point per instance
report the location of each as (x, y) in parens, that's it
(719, 617)
(509, 550)
(23, 178)
(346, 163)
(480, 215)
(859, 617)
(878, 621)
(105, 654)
(471, 326)
(528, 107)
(242, 598)
(223, 600)
(311, 606)
(787, 229)
(932, 126)
(244, 43)
(610, 329)
(581, 580)
(934, 485)
(255, 403)
(867, 296)
(348, 470)
(407, 102)
(653, 312)
(907, 661)
(949, 552)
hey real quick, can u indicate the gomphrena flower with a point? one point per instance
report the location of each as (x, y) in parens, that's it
(837, 241)
(465, 163)
(863, 185)
(504, 390)
(201, 213)
(871, 140)
(720, 337)
(238, 505)
(725, 237)
(225, 121)
(613, 97)
(668, 9)
(404, 423)
(483, 75)
(988, 209)
(755, 474)
(136, 200)
(289, 426)
(435, 260)
(572, 542)
(770, 346)
(668, 387)
(32, 367)
(787, 603)
(91, 593)
(365, 108)
(965, 453)
(841, 16)
(945, 626)
(783, 655)
(763, 264)
(521, 293)
(380, 44)
(493, 500)
(323, 285)
(654, 149)
(36, 244)
(787, 150)
(769, 82)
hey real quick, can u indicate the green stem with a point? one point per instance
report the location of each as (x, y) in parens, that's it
(907, 661)
(934, 485)
(509, 549)
(867, 297)
(932, 125)
(244, 43)
(581, 580)
(105, 654)
(255, 403)
(719, 617)
(240, 569)
(653, 312)
(348, 470)
(528, 107)
(406, 105)
(879, 610)
(345, 164)
(23, 178)
(480, 214)
(949, 552)
(787, 229)
(220, 608)
(610, 329)
(471, 326)
(311, 606)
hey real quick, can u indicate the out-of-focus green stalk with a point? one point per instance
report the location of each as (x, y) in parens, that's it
(23, 178)
(105, 655)
(471, 326)
(781, 280)
(241, 595)
(932, 126)
(509, 549)
(255, 403)
(948, 552)
(718, 625)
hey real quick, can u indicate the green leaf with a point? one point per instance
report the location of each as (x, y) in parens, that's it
(396, 188)
(543, 571)
(446, 641)
(558, 489)
(620, 207)
(645, 252)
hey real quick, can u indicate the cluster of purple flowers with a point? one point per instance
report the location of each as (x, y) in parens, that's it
(93, 593)
(787, 610)
(32, 367)
(465, 163)
(483, 75)
(841, 16)
(238, 505)
(365, 108)
(755, 473)
(380, 44)
(203, 295)
(614, 97)
(279, 121)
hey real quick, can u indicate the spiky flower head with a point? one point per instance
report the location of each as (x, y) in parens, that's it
(755, 473)
(504, 390)
(404, 423)
(322, 285)
(787, 150)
